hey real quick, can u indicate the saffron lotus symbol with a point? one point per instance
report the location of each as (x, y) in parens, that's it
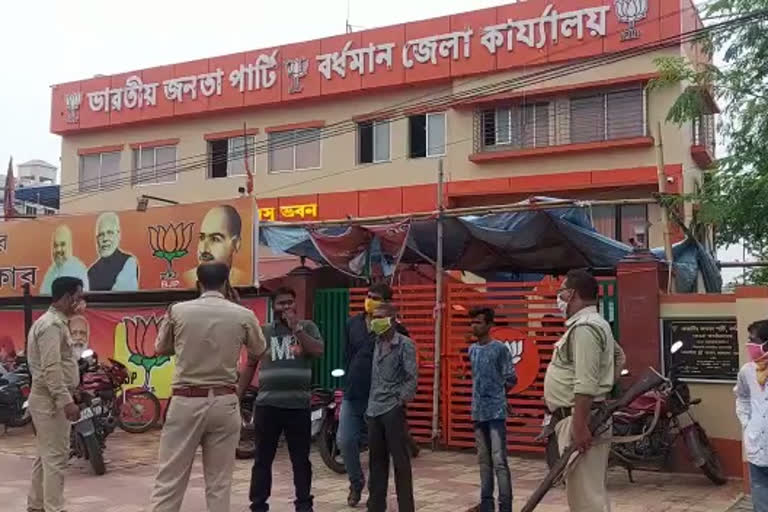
(170, 243)
(631, 11)
(140, 335)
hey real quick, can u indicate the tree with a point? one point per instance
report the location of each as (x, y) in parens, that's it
(734, 195)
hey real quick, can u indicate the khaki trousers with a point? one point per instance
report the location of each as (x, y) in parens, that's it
(52, 436)
(585, 481)
(212, 422)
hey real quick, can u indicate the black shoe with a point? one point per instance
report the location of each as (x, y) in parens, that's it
(355, 495)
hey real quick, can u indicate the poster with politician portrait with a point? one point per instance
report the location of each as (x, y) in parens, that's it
(128, 251)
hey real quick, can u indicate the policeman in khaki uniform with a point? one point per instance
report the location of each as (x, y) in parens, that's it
(585, 365)
(206, 336)
(54, 379)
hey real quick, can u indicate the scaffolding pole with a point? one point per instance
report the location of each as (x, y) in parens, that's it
(438, 314)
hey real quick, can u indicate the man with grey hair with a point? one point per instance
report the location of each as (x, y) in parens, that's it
(65, 263)
(114, 270)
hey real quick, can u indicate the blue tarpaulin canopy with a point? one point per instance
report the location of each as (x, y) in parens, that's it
(543, 240)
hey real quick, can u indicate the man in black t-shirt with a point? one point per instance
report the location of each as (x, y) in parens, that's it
(358, 361)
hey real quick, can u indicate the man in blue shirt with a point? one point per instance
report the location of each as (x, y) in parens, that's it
(493, 374)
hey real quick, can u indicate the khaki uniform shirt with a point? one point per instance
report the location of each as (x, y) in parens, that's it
(51, 362)
(206, 335)
(592, 367)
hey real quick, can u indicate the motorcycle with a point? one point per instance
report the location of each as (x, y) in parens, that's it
(14, 391)
(246, 449)
(651, 426)
(325, 420)
(97, 421)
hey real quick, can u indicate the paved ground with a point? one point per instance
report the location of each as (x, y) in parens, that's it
(744, 505)
(444, 481)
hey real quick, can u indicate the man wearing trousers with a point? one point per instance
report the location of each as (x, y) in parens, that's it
(283, 402)
(206, 336)
(493, 373)
(584, 368)
(393, 385)
(358, 359)
(54, 379)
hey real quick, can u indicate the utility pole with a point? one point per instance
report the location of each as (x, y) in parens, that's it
(662, 176)
(438, 307)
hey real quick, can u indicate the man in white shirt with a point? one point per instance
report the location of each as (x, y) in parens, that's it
(752, 410)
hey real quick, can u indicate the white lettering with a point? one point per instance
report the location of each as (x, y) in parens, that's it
(363, 60)
(426, 49)
(281, 348)
(547, 28)
(255, 76)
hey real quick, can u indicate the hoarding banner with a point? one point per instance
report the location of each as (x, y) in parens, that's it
(126, 335)
(128, 251)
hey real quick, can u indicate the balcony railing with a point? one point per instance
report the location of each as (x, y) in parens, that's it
(704, 133)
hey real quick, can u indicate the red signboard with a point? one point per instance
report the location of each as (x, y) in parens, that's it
(496, 39)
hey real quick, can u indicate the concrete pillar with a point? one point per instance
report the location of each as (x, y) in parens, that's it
(640, 277)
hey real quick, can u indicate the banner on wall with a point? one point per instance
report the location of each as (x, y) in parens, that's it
(129, 251)
(125, 335)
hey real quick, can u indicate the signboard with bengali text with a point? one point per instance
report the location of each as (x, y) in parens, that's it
(523, 34)
(710, 348)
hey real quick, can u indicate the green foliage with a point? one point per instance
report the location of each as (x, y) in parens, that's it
(735, 195)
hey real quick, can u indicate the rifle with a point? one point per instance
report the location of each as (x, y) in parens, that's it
(651, 379)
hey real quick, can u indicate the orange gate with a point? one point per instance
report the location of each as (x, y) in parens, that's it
(526, 319)
(416, 305)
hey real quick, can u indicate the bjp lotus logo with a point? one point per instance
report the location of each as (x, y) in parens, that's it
(630, 12)
(170, 243)
(140, 336)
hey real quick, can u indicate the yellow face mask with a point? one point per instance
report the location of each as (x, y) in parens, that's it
(371, 305)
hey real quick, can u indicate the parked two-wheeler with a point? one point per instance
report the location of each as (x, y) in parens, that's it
(14, 390)
(653, 423)
(89, 433)
(135, 410)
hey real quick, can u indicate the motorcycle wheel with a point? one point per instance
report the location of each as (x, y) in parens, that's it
(712, 467)
(94, 454)
(329, 450)
(139, 412)
(20, 421)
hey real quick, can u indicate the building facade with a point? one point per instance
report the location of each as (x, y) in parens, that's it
(539, 98)
(36, 190)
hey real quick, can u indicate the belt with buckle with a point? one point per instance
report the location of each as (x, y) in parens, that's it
(203, 391)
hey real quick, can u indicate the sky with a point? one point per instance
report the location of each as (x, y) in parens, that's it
(46, 42)
(53, 41)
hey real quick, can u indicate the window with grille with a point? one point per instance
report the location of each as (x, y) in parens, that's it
(294, 150)
(518, 127)
(99, 171)
(227, 156)
(607, 116)
(154, 165)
